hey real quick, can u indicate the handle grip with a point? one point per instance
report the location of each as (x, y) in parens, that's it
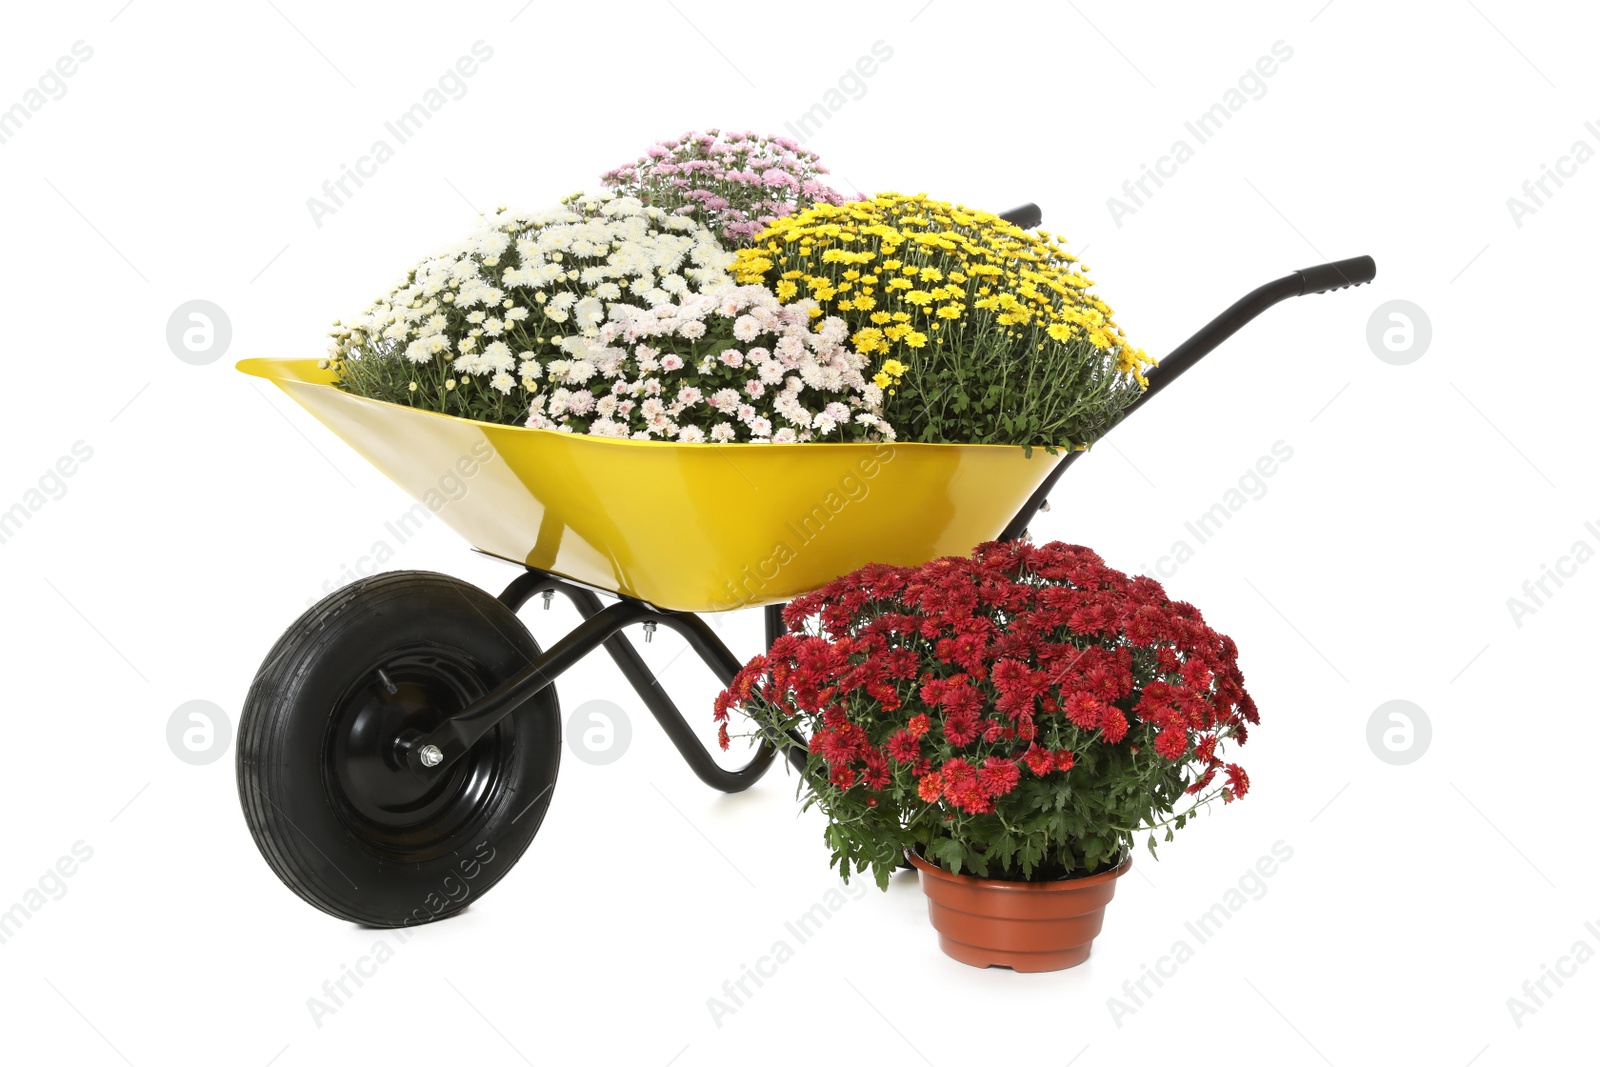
(1026, 216)
(1341, 274)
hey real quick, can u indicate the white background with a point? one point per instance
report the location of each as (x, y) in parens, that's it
(1377, 565)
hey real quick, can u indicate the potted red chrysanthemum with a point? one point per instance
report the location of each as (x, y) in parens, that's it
(1007, 723)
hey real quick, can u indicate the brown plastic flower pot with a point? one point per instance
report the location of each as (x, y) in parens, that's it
(1027, 926)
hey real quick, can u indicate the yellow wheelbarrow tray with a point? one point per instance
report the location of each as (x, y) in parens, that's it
(398, 748)
(685, 527)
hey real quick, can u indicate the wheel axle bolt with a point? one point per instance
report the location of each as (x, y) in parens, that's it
(431, 756)
(549, 595)
(1045, 506)
(649, 632)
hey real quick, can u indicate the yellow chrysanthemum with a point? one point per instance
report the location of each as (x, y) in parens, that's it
(1016, 302)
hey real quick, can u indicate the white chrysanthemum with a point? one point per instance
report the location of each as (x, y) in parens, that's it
(746, 327)
(497, 356)
(875, 422)
(622, 205)
(603, 287)
(589, 312)
(833, 330)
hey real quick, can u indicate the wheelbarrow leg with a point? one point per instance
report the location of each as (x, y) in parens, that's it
(706, 645)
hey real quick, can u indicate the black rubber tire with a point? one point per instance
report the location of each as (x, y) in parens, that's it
(339, 820)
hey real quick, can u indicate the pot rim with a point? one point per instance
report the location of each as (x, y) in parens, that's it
(1058, 885)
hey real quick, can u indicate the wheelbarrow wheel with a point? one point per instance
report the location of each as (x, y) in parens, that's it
(337, 814)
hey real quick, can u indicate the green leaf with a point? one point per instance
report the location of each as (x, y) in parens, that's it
(950, 853)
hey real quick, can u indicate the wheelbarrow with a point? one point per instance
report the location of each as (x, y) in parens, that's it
(398, 749)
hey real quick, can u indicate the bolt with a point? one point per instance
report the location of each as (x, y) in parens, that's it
(431, 756)
(388, 685)
(549, 595)
(649, 632)
(1045, 506)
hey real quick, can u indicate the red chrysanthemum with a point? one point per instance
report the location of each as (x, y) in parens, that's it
(1039, 760)
(1064, 760)
(1238, 783)
(973, 801)
(1084, 710)
(958, 776)
(930, 787)
(961, 726)
(903, 746)
(1172, 742)
(875, 772)
(961, 695)
(918, 725)
(998, 776)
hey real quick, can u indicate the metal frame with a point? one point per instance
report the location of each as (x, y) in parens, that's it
(603, 624)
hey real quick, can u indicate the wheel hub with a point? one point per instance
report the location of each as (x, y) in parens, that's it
(379, 797)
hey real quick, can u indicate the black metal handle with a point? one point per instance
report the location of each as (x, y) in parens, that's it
(1319, 279)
